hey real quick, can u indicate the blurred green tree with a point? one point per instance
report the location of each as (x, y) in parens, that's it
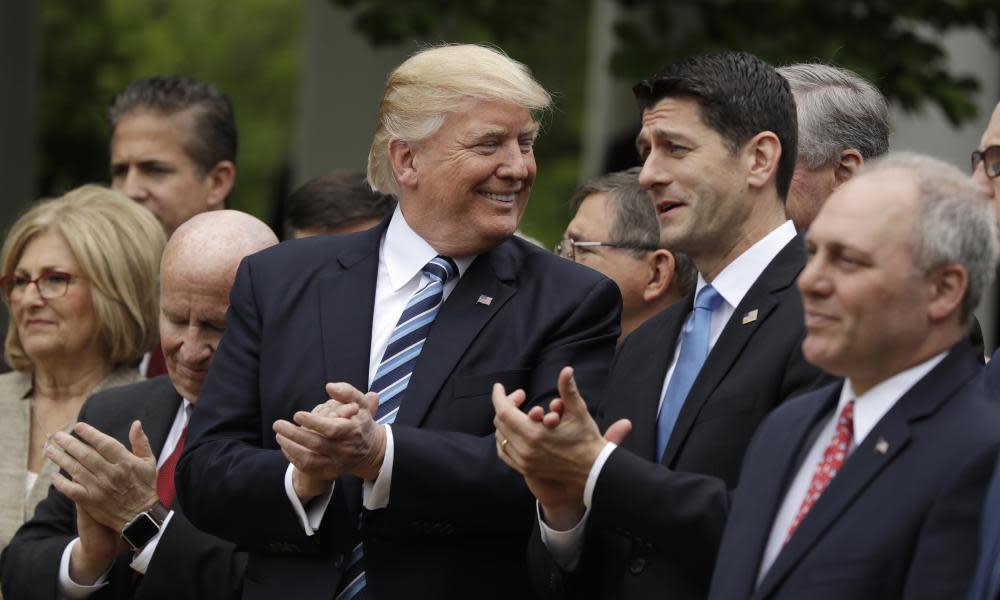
(91, 50)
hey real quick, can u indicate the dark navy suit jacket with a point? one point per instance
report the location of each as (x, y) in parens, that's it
(458, 518)
(900, 519)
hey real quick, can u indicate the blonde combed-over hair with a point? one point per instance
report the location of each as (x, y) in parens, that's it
(117, 245)
(437, 81)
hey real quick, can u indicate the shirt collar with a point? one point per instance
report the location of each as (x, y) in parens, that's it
(870, 407)
(405, 253)
(736, 279)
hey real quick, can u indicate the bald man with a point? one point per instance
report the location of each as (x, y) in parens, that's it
(113, 518)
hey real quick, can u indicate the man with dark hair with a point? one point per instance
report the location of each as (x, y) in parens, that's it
(173, 147)
(843, 121)
(338, 202)
(615, 231)
(643, 518)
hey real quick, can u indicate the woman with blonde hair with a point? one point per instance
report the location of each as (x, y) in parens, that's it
(79, 279)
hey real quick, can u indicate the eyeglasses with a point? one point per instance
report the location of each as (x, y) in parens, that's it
(567, 247)
(990, 158)
(51, 284)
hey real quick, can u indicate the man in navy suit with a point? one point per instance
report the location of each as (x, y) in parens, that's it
(871, 487)
(342, 493)
(643, 518)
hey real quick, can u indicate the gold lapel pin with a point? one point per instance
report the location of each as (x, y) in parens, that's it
(881, 446)
(750, 317)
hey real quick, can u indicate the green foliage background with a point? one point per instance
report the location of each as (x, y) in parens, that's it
(92, 49)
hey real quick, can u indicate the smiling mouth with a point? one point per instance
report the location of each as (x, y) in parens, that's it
(500, 197)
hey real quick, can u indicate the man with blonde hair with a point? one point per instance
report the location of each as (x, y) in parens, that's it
(371, 356)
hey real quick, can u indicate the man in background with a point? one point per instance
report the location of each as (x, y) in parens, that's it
(338, 202)
(173, 147)
(843, 121)
(615, 231)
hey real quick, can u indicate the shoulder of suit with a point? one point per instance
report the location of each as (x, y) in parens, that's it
(133, 394)
(518, 258)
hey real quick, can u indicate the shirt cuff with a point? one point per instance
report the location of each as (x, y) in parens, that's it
(564, 546)
(595, 472)
(310, 518)
(141, 561)
(375, 494)
(71, 589)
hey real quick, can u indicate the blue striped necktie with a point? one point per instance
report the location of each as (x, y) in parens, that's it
(392, 377)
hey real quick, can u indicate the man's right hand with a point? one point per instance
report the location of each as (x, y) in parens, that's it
(94, 554)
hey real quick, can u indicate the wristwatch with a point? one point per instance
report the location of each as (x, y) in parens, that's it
(144, 526)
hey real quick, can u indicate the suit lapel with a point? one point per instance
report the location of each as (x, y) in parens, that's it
(762, 297)
(458, 323)
(346, 310)
(636, 395)
(891, 435)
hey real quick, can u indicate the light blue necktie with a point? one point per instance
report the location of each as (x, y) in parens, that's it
(694, 350)
(392, 377)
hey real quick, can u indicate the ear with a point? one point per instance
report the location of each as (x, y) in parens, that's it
(402, 157)
(220, 179)
(850, 161)
(660, 274)
(763, 153)
(948, 285)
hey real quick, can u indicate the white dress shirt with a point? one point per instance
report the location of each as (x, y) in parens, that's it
(732, 283)
(869, 408)
(71, 589)
(401, 259)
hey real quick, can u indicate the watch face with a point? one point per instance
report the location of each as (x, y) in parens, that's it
(140, 531)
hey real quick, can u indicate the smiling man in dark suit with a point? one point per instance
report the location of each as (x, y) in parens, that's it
(111, 528)
(398, 492)
(871, 487)
(644, 518)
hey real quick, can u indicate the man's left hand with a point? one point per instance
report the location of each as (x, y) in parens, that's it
(107, 480)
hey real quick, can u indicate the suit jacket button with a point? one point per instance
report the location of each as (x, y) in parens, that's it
(636, 565)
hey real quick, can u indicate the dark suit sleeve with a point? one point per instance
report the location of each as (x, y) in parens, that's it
(456, 479)
(227, 479)
(30, 564)
(944, 560)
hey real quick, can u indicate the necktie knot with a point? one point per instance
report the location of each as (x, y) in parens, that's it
(441, 269)
(708, 299)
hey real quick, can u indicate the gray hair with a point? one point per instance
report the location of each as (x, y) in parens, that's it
(437, 81)
(634, 223)
(837, 110)
(957, 223)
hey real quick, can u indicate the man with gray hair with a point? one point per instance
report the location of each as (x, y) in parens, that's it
(615, 231)
(371, 356)
(843, 121)
(112, 528)
(898, 259)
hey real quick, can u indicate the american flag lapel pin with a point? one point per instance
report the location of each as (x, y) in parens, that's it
(750, 317)
(485, 300)
(882, 446)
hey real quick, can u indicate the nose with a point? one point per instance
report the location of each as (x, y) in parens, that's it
(32, 296)
(195, 348)
(812, 281)
(516, 164)
(653, 173)
(131, 185)
(984, 182)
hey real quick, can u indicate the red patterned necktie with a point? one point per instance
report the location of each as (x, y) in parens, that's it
(165, 477)
(833, 460)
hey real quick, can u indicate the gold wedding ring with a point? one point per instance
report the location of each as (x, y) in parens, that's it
(503, 444)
